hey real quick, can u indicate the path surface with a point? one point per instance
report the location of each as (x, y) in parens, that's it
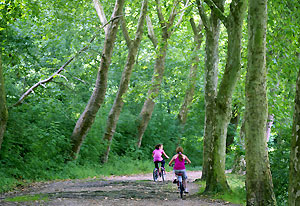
(135, 190)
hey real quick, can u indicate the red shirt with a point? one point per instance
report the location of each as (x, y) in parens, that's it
(179, 165)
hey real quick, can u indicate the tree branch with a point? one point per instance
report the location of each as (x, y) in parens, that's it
(182, 14)
(151, 34)
(141, 21)
(203, 15)
(172, 15)
(218, 11)
(160, 15)
(101, 14)
(197, 30)
(29, 91)
(125, 33)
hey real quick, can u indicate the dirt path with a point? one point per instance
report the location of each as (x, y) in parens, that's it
(135, 190)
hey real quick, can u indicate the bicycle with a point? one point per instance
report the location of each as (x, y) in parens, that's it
(156, 174)
(179, 182)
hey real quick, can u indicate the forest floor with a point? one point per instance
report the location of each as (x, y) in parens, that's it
(135, 190)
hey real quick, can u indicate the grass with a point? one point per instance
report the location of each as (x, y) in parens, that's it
(123, 166)
(237, 185)
(73, 170)
(27, 198)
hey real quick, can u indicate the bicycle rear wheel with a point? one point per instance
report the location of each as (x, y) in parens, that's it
(181, 189)
(155, 174)
(163, 174)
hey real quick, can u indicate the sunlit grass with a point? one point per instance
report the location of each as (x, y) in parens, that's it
(27, 198)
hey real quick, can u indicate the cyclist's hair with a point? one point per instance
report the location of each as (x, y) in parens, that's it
(179, 151)
(157, 146)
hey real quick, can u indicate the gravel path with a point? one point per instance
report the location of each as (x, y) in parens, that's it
(134, 190)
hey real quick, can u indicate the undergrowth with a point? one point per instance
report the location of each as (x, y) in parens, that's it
(237, 185)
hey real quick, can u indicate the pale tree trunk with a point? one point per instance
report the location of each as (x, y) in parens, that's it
(294, 180)
(3, 108)
(159, 67)
(87, 118)
(123, 87)
(259, 184)
(239, 165)
(212, 28)
(216, 179)
(269, 126)
(188, 98)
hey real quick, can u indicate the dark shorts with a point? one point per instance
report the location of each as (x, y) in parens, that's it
(162, 163)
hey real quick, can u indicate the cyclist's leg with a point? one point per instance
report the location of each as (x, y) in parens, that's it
(156, 165)
(175, 177)
(184, 177)
(163, 163)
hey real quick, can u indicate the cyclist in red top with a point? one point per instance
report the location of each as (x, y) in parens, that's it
(179, 166)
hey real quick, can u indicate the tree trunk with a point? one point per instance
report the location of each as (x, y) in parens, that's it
(123, 87)
(294, 180)
(148, 107)
(87, 118)
(159, 67)
(3, 108)
(216, 179)
(259, 184)
(211, 82)
(183, 112)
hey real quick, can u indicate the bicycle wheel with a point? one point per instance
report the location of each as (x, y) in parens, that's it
(163, 175)
(181, 189)
(155, 175)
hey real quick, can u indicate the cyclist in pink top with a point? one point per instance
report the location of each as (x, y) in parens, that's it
(157, 156)
(179, 166)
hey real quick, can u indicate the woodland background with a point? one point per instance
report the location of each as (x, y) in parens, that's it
(38, 37)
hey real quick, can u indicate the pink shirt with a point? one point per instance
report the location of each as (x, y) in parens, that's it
(179, 165)
(157, 155)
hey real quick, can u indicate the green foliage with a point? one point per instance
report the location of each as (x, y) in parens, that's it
(279, 160)
(7, 182)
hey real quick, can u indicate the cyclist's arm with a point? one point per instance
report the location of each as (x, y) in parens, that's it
(172, 160)
(188, 160)
(166, 155)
